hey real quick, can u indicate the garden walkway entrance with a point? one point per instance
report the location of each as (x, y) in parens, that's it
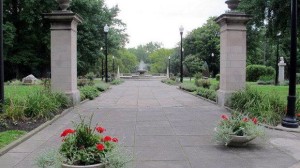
(163, 127)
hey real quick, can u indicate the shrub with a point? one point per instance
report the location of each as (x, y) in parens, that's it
(41, 104)
(203, 83)
(298, 78)
(90, 76)
(102, 86)
(207, 93)
(14, 109)
(82, 82)
(265, 80)
(215, 86)
(253, 72)
(190, 87)
(218, 77)
(268, 108)
(198, 75)
(88, 92)
(117, 81)
(169, 81)
(61, 100)
(173, 78)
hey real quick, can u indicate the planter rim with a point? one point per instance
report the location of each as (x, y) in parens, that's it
(83, 166)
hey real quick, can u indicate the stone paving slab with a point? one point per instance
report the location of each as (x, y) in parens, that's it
(162, 127)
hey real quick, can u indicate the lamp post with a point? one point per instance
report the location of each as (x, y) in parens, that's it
(277, 58)
(181, 53)
(102, 66)
(290, 120)
(106, 29)
(113, 64)
(211, 64)
(169, 65)
(1, 59)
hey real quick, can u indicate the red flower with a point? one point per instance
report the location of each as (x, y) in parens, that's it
(115, 140)
(106, 139)
(245, 119)
(100, 147)
(224, 117)
(66, 132)
(254, 120)
(100, 129)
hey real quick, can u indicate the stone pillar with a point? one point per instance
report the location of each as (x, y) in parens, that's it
(233, 54)
(281, 65)
(168, 73)
(64, 53)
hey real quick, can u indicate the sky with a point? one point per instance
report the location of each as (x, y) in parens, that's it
(159, 20)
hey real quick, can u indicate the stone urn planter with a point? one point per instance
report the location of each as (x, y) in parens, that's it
(239, 140)
(100, 165)
(64, 4)
(232, 4)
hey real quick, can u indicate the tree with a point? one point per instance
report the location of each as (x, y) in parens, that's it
(159, 60)
(193, 64)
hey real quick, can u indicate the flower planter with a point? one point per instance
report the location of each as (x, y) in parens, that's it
(100, 165)
(239, 140)
(64, 4)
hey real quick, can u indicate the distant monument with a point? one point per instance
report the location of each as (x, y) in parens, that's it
(281, 65)
(142, 68)
(30, 79)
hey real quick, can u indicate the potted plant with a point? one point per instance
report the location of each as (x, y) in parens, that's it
(237, 130)
(86, 147)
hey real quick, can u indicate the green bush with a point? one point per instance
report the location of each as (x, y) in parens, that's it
(41, 104)
(253, 72)
(14, 109)
(203, 83)
(82, 82)
(90, 76)
(218, 77)
(88, 92)
(267, 108)
(190, 87)
(298, 78)
(198, 75)
(169, 81)
(265, 80)
(117, 81)
(102, 86)
(207, 93)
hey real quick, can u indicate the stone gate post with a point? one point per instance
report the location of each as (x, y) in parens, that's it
(64, 53)
(233, 54)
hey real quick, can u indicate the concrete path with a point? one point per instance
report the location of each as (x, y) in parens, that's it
(164, 128)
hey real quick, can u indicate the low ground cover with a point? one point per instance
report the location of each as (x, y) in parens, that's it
(9, 136)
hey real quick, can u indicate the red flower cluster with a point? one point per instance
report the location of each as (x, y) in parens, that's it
(224, 117)
(66, 132)
(254, 120)
(100, 147)
(245, 119)
(100, 129)
(108, 139)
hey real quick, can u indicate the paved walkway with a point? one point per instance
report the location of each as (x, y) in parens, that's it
(164, 128)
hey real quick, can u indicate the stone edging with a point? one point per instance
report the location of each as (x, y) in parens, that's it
(36, 130)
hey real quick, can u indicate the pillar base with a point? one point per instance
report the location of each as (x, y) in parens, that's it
(74, 97)
(289, 122)
(223, 97)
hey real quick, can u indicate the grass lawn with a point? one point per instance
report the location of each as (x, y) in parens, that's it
(7, 137)
(20, 91)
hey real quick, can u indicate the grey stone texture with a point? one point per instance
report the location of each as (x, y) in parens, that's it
(163, 127)
(233, 54)
(64, 53)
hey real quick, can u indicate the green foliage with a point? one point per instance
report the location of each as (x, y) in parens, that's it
(190, 87)
(169, 81)
(7, 137)
(253, 72)
(102, 86)
(159, 60)
(14, 109)
(82, 82)
(90, 76)
(218, 77)
(237, 124)
(88, 92)
(268, 108)
(117, 82)
(207, 93)
(298, 78)
(50, 158)
(118, 157)
(265, 80)
(198, 75)
(193, 64)
(205, 83)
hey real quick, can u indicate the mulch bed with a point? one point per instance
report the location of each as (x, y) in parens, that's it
(28, 125)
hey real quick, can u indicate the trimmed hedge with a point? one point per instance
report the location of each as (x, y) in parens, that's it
(253, 72)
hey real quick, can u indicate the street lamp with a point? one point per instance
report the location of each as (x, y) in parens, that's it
(277, 58)
(290, 120)
(102, 64)
(212, 54)
(113, 64)
(169, 65)
(106, 29)
(181, 53)
(1, 59)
